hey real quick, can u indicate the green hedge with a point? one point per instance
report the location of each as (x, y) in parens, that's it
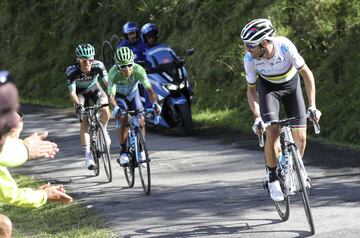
(38, 39)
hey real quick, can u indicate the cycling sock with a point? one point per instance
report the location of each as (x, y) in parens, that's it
(123, 148)
(272, 174)
(87, 149)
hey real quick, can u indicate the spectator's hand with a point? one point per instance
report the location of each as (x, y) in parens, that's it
(59, 187)
(157, 108)
(57, 194)
(39, 148)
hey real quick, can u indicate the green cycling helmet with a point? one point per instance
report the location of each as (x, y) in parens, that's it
(85, 51)
(124, 56)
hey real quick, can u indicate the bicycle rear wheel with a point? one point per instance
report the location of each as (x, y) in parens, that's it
(144, 166)
(129, 170)
(303, 189)
(104, 154)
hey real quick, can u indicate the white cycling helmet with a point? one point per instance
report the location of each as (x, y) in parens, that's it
(256, 31)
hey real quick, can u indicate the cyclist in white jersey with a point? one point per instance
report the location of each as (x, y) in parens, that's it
(277, 63)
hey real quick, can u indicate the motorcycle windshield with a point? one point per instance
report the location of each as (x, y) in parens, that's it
(164, 62)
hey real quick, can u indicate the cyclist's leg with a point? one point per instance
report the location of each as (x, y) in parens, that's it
(138, 106)
(122, 131)
(98, 96)
(295, 106)
(105, 112)
(269, 109)
(84, 133)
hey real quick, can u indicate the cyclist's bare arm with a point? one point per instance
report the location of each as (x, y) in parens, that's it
(309, 81)
(253, 100)
(152, 95)
(112, 101)
(73, 97)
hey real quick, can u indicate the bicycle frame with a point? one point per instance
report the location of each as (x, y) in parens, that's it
(133, 127)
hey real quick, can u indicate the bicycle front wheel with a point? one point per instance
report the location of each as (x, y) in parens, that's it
(144, 166)
(283, 207)
(96, 161)
(129, 170)
(94, 149)
(104, 154)
(303, 189)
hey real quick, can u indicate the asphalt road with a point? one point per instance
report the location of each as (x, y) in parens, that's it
(209, 185)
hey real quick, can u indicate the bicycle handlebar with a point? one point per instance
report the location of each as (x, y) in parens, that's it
(316, 125)
(95, 107)
(282, 123)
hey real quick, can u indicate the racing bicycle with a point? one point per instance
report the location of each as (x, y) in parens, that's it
(98, 145)
(291, 171)
(135, 146)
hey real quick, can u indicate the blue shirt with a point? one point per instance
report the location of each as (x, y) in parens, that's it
(137, 47)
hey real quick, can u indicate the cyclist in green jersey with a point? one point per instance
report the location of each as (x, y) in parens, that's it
(123, 92)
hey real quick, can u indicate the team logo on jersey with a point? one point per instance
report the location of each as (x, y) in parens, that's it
(284, 48)
(71, 69)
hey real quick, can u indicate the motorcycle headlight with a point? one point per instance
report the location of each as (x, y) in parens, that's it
(170, 86)
(183, 84)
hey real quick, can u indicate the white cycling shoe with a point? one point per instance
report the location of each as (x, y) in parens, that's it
(275, 191)
(142, 156)
(124, 159)
(89, 162)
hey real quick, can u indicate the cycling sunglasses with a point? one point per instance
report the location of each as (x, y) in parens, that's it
(123, 67)
(251, 45)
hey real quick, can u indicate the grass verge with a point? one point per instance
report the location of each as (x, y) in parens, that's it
(54, 220)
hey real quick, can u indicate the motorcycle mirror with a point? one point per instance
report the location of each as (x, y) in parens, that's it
(190, 51)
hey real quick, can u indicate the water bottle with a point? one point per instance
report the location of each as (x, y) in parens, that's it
(283, 164)
(156, 119)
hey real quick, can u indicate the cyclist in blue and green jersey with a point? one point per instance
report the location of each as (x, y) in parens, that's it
(123, 92)
(82, 81)
(277, 63)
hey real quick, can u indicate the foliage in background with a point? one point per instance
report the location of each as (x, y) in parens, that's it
(38, 39)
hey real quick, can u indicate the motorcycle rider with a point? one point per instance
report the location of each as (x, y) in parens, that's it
(133, 40)
(157, 53)
(165, 66)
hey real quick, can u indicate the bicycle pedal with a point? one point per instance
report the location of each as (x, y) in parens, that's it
(265, 185)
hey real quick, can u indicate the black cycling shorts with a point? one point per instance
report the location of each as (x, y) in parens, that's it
(290, 93)
(96, 94)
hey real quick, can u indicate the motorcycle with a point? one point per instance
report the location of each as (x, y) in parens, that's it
(169, 80)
